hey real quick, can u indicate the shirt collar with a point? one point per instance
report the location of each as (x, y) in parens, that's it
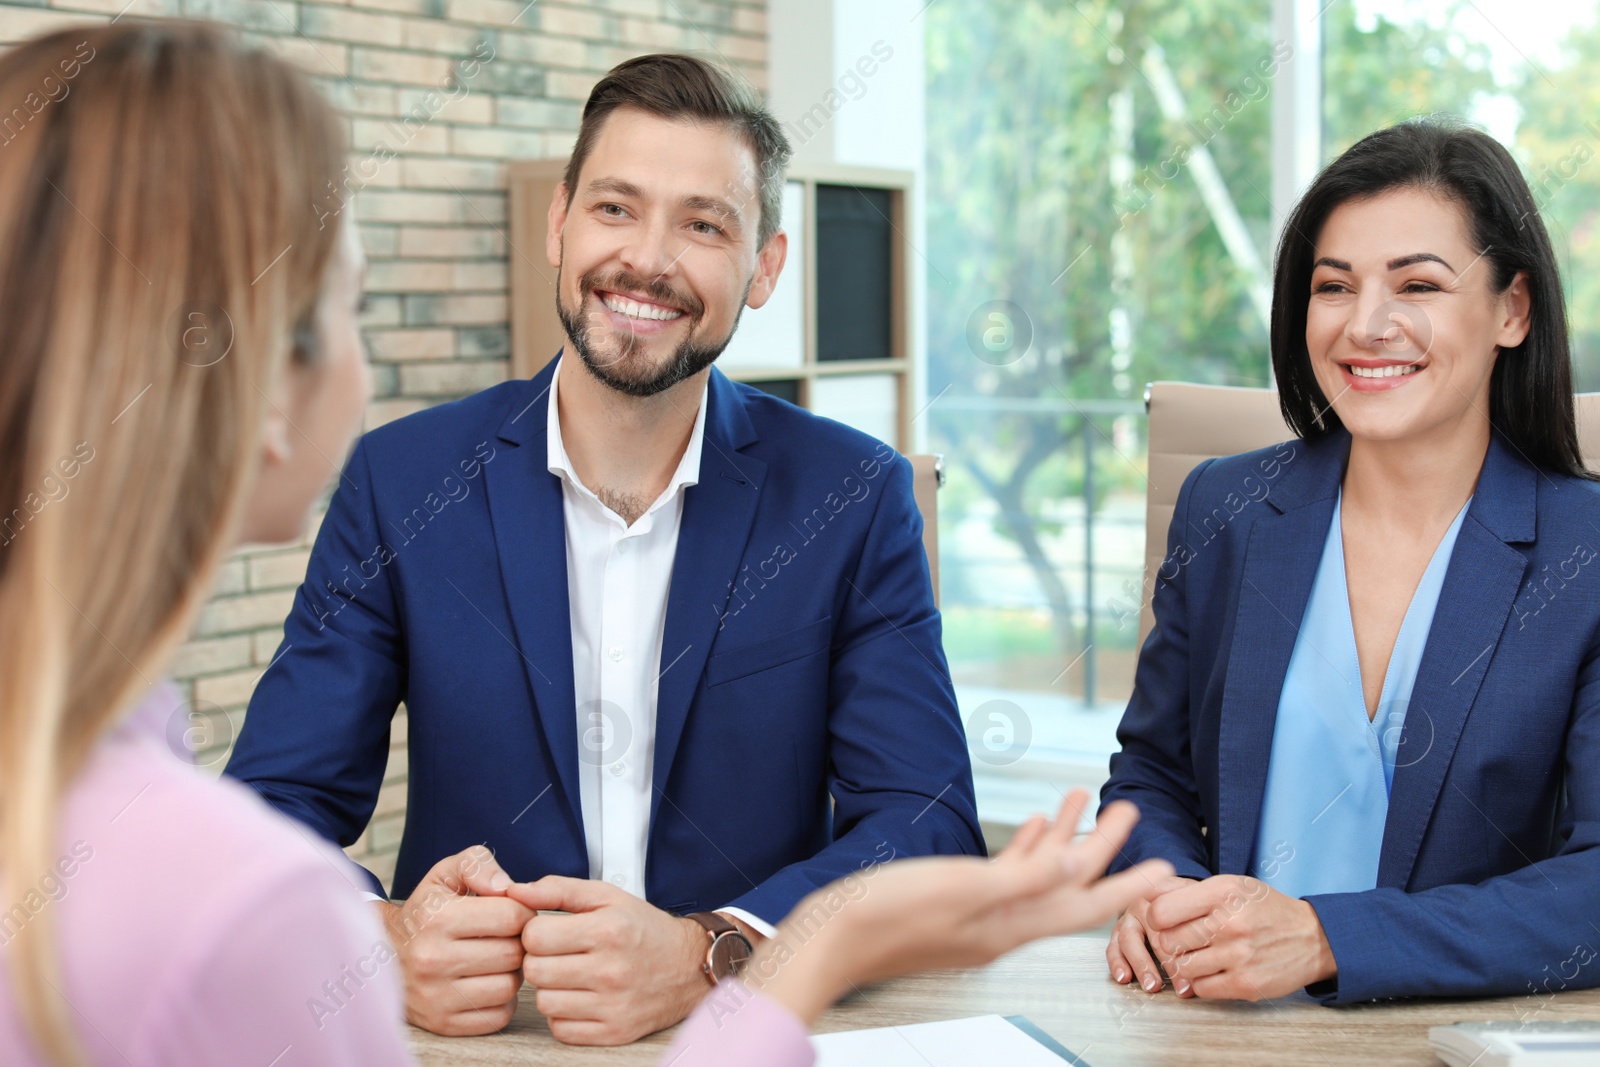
(686, 474)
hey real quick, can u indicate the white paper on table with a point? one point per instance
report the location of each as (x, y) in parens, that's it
(983, 1039)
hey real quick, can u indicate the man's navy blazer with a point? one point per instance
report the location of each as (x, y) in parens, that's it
(1489, 876)
(806, 724)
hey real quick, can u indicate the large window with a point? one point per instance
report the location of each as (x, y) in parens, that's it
(1099, 215)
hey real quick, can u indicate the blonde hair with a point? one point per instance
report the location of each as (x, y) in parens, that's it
(159, 179)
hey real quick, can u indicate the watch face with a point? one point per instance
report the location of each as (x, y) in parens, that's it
(729, 952)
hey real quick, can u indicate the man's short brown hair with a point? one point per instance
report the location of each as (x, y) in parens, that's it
(676, 86)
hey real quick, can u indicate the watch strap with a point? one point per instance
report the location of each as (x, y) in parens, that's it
(715, 924)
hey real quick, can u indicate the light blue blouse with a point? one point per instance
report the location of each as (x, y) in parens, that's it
(1331, 769)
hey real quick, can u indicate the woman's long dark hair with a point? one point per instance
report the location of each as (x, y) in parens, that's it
(1530, 391)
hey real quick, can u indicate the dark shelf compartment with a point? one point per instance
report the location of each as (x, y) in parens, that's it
(855, 279)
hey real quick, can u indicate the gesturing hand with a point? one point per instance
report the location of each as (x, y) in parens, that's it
(615, 969)
(919, 914)
(457, 939)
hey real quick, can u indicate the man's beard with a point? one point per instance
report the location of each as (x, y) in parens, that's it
(687, 360)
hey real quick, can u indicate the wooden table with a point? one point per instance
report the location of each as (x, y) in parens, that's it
(1062, 986)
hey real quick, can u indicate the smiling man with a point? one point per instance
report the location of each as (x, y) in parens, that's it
(668, 645)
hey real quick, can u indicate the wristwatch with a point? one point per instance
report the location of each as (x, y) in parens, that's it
(729, 949)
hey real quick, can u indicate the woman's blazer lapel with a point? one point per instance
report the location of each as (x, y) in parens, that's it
(1474, 606)
(1281, 556)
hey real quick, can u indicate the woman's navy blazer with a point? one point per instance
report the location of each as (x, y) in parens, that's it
(1489, 877)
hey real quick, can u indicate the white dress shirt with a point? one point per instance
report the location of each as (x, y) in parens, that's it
(617, 581)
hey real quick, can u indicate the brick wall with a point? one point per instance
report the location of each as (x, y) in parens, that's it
(433, 219)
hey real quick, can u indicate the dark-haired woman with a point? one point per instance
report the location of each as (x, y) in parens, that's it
(1366, 727)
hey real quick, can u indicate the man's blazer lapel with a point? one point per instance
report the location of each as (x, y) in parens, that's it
(717, 517)
(1475, 603)
(525, 509)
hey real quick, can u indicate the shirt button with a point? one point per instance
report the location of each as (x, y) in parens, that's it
(619, 880)
(618, 769)
(616, 654)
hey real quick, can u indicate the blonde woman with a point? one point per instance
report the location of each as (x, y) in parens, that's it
(181, 366)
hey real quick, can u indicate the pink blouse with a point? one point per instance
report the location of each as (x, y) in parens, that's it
(196, 926)
(734, 1027)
